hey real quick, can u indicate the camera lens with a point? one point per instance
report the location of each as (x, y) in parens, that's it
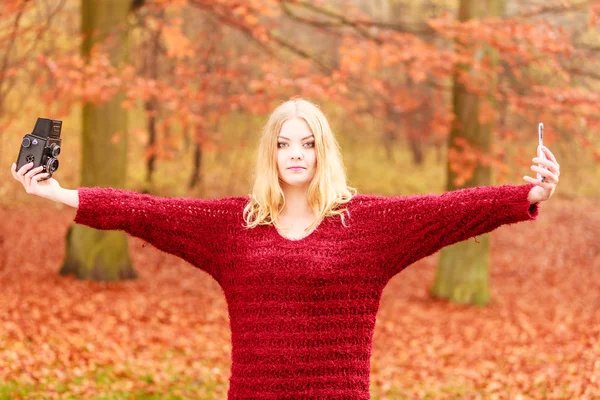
(52, 165)
(54, 150)
(26, 142)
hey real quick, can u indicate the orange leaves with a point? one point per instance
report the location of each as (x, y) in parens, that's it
(178, 45)
(462, 162)
(594, 14)
(369, 69)
(464, 158)
(70, 80)
(487, 112)
(249, 16)
(418, 75)
(11, 7)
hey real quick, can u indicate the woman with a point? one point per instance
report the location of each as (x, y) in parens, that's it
(304, 259)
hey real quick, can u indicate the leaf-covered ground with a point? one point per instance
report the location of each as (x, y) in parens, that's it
(166, 335)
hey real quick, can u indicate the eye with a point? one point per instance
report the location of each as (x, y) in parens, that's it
(280, 144)
(310, 144)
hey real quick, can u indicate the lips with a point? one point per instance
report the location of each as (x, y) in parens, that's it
(296, 168)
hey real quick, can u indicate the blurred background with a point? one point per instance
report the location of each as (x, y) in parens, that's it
(168, 97)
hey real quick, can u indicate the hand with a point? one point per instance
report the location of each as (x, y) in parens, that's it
(30, 178)
(544, 187)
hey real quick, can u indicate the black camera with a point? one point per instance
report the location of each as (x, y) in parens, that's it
(41, 146)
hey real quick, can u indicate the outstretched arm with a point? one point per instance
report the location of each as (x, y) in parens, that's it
(189, 228)
(431, 222)
(417, 226)
(186, 227)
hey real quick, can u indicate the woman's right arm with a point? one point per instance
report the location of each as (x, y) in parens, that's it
(67, 196)
(193, 229)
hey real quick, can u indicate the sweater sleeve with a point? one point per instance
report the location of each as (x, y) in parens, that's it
(189, 228)
(413, 227)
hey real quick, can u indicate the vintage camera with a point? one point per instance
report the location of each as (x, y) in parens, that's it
(41, 146)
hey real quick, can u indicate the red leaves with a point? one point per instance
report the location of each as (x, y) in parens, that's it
(178, 45)
(594, 14)
(538, 339)
(54, 330)
(168, 332)
(487, 112)
(238, 63)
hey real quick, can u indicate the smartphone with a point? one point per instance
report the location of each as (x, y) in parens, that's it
(540, 144)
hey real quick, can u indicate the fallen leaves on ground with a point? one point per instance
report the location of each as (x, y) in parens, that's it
(168, 331)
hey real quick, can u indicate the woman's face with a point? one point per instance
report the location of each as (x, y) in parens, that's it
(296, 148)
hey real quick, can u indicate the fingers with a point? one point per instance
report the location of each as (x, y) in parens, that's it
(31, 174)
(38, 177)
(26, 176)
(549, 161)
(533, 180)
(33, 171)
(24, 168)
(537, 182)
(549, 154)
(547, 168)
(548, 164)
(551, 177)
(20, 175)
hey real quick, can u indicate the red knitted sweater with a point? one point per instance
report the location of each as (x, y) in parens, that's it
(302, 312)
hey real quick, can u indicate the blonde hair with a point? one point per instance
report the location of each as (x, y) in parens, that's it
(328, 188)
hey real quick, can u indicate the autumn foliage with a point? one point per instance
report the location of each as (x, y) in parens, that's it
(167, 333)
(384, 77)
(250, 56)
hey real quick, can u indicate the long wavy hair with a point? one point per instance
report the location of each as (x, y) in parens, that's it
(328, 189)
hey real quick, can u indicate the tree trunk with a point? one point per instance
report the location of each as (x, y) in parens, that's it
(462, 274)
(94, 254)
(151, 106)
(196, 175)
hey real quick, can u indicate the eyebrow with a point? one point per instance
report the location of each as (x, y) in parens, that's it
(308, 137)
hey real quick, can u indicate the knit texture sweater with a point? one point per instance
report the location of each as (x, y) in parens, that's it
(302, 312)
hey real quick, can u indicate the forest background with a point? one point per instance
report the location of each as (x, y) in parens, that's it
(169, 97)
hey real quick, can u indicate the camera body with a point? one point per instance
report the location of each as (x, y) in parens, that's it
(42, 146)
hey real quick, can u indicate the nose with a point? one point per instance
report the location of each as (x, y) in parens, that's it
(296, 154)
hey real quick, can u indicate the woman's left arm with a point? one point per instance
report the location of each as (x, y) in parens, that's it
(418, 226)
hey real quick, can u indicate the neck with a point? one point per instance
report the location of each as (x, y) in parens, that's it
(296, 203)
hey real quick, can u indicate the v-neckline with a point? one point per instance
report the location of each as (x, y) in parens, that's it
(300, 239)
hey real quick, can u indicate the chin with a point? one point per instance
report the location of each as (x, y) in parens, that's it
(296, 182)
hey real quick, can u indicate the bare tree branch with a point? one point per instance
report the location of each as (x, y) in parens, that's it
(359, 25)
(339, 19)
(581, 72)
(300, 52)
(555, 9)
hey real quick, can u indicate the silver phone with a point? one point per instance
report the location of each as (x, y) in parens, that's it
(540, 144)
